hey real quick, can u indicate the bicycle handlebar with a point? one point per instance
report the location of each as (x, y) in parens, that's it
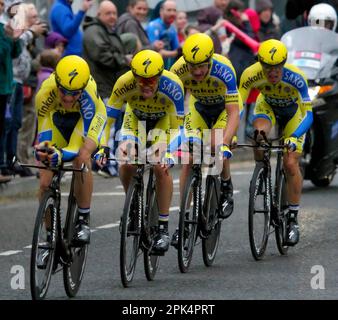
(63, 167)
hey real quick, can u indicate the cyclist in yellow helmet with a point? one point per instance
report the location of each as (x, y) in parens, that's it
(283, 99)
(71, 120)
(214, 104)
(155, 105)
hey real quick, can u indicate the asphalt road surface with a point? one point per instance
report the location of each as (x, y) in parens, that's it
(309, 271)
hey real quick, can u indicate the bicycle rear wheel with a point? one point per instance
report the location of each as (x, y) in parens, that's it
(43, 246)
(151, 262)
(259, 211)
(74, 269)
(212, 223)
(130, 229)
(188, 221)
(282, 209)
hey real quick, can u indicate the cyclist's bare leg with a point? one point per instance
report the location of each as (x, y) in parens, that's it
(183, 177)
(265, 125)
(83, 187)
(125, 154)
(126, 173)
(46, 177)
(225, 175)
(294, 176)
(164, 187)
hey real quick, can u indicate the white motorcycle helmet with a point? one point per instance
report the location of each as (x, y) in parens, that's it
(323, 15)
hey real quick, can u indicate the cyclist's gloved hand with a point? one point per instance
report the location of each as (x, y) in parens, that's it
(234, 142)
(225, 151)
(291, 143)
(101, 156)
(169, 159)
(41, 151)
(55, 158)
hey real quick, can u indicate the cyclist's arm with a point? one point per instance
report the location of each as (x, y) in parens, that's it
(306, 109)
(244, 86)
(176, 113)
(91, 126)
(234, 107)
(233, 116)
(45, 125)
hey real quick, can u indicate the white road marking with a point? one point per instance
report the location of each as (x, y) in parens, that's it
(240, 173)
(109, 226)
(10, 253)
(174, 209)
(28, 247)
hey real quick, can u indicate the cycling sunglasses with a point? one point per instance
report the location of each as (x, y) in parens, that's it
(197, 66)
(71, 93)
(269, 67)
(148, 81)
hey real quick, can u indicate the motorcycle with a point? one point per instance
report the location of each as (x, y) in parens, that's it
(315, 51)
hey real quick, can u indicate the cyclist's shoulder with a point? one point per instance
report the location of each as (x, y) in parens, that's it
(47, 91)
(218, 58)
(252, 74)
(253, 68)
(170, 82)
(125, 83)
(294, 70)
(180, 67)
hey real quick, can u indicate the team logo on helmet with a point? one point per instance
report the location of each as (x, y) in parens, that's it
(272, 52)
(72, 75)
(146, 63)
(194, 50)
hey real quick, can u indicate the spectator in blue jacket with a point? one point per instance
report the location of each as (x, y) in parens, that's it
(163, 29)
(65, 22)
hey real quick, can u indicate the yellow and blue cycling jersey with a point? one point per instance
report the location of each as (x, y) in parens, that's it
(67, 128)
(288, 100)
(165, 109)
(210, 96)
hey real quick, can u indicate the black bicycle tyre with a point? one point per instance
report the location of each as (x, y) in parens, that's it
(282, 207)
(73, 272)
(36, 292)
(127, 271)
(210, 205)
(151, 262)
(185, 253)
(258, 249)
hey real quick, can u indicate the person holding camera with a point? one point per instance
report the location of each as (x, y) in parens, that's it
(23, 16)
(10, 48)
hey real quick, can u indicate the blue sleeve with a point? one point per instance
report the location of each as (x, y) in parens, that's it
(153, 32)
(67, 23)
(174, 40)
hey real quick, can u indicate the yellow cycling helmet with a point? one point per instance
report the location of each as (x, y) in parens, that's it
(72, 73)
(272, 52)
(198, 48)
(147, 64)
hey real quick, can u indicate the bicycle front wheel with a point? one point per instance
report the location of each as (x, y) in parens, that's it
(43, 246)
(282, 209)
(73, 270)
(130, 228)
(212, 223)
(151, 262)
(259, 211)
(187, 226)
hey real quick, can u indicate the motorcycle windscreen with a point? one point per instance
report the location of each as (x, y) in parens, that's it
(313, 49)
